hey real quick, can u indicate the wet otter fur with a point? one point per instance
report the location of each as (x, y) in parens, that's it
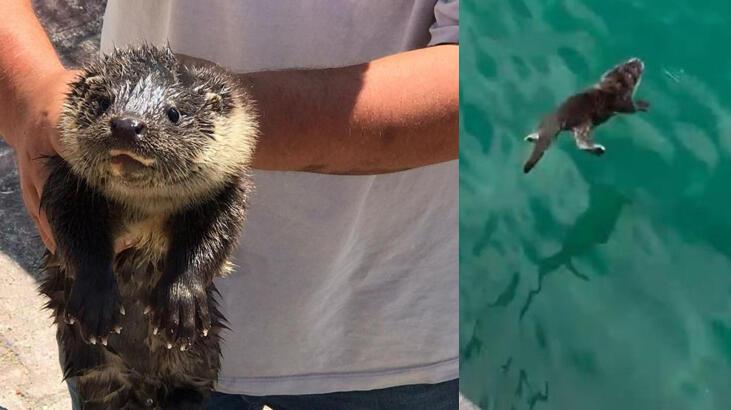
(582, 112)
(158, 152)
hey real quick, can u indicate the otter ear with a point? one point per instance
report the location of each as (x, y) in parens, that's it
(217, 93)
(212, 84)
(214, 101)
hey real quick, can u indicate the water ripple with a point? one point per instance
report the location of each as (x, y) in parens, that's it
(596, 283)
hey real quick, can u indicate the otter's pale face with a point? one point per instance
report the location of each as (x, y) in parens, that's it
(635, 67)
(623, 78)
(632, 71)
(138, 120)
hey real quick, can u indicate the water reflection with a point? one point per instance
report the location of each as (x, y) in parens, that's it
(532, 396)
(593, 227)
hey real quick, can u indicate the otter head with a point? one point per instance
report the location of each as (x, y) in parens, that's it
(138, 124)
(623, 78)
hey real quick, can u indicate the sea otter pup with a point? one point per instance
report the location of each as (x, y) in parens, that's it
(158, 152)
(582, 112)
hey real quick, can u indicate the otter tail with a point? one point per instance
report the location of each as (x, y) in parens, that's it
(532, 160)
(541, 141)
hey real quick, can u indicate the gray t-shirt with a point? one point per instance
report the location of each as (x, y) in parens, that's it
(343, 282)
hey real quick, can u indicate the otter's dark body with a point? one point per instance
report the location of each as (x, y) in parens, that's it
(141, 329)
(582, 112)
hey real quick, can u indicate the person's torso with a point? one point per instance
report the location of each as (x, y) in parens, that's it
(264, 35)
(343, 282)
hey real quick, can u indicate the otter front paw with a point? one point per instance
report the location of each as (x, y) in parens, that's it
(642, 105)
(94, 304)
(179, 312)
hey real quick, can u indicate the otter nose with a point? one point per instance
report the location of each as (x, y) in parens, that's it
(127, 128)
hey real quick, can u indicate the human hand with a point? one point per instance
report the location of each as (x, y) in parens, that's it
(34, 136)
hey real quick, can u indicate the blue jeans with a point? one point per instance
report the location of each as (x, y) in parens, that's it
(440, 396)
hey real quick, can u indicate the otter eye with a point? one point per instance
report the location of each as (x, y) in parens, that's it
(173, 115)
(102, 105)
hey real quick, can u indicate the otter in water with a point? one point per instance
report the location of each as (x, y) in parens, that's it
(582, 112)
(159, 152)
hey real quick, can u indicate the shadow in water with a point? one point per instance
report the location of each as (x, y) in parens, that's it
(474, 346)
(533, 396)
(508, 294)
(484, 240)
(593, 227)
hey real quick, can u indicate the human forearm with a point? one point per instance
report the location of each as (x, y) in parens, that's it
(394, 113)
(27, 63)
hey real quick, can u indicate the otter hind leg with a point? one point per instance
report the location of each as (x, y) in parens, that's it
(582, 134)
(532, 137)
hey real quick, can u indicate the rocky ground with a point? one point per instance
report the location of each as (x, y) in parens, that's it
(30, 377)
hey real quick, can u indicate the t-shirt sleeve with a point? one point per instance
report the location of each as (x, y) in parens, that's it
(445, 29)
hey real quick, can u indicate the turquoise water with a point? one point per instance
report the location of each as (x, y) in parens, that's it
(596, 283)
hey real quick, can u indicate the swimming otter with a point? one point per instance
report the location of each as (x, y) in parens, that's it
(159, 152)
(582, 112)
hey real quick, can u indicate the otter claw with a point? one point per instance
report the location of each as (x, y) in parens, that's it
(122, 311)
(104, 341)
(92, 340)
(155, 330)
(117, 329)
(170, 346)
(147, 310)
(205, 332)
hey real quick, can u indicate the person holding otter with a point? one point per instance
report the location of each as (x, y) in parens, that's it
(345, 289)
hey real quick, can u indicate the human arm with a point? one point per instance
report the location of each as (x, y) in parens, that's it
(394, 113)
